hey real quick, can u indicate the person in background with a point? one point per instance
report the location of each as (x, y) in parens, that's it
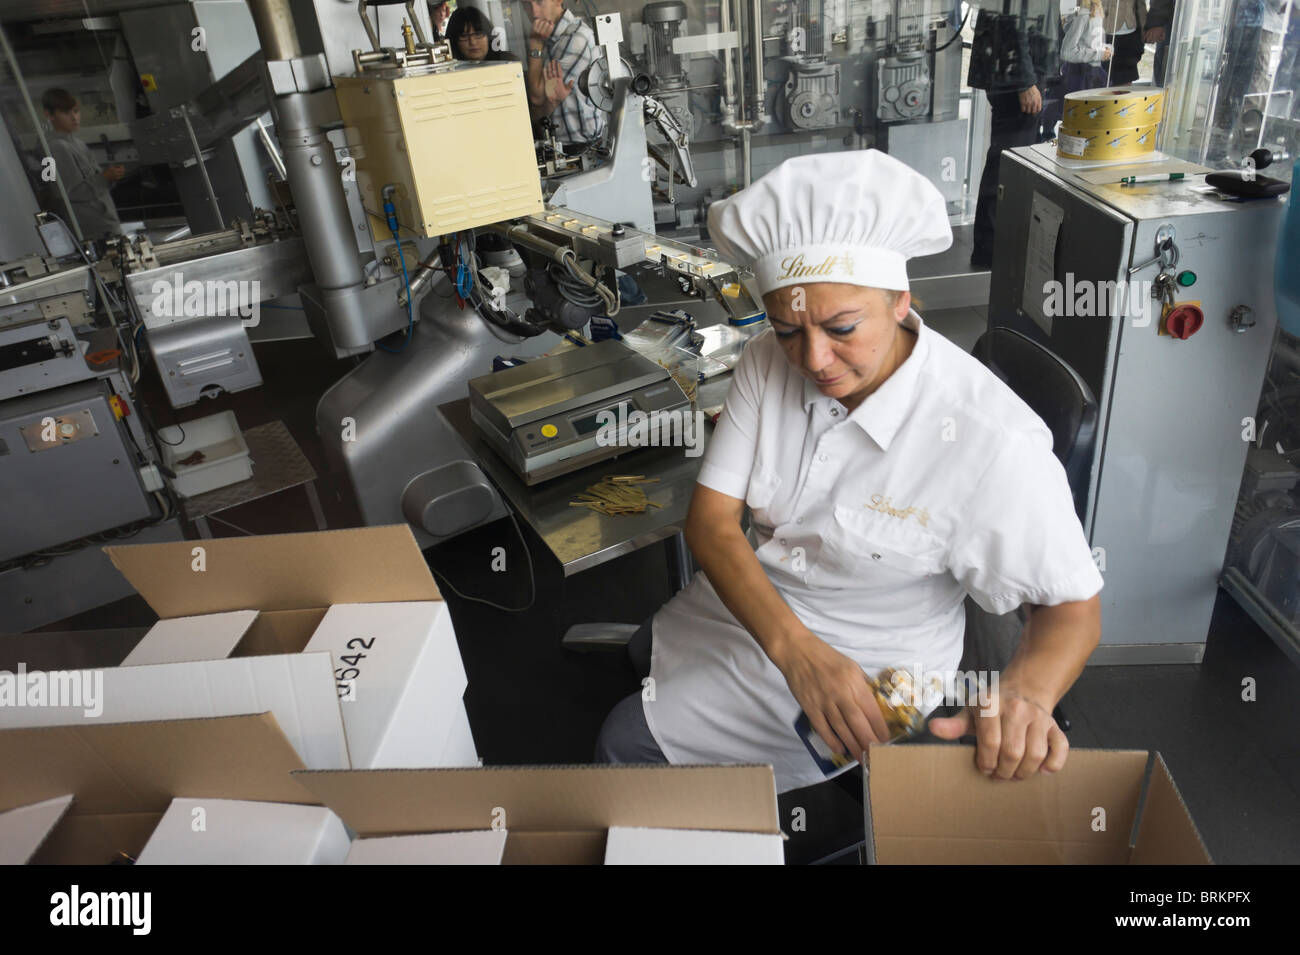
(1124, 24)
(1160, 21)
(560, 48)
(1016, 51)
(86, 184)
(439, 13)
(1084, 54)
(473, 37)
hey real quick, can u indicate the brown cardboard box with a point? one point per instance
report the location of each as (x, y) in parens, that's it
(292, 579)
(342, 635)
(930, 805)
(123, 777)
(552, 814)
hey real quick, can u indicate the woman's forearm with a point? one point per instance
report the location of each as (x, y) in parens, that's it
(1054, 649)
(726, 557)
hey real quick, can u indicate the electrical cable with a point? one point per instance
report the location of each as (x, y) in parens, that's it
(956, 36)
(393, 225)
(532, 578)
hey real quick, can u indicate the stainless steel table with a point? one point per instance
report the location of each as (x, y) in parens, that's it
(581, 538)
(278, 464)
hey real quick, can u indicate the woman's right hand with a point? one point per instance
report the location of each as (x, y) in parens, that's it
(834, 694)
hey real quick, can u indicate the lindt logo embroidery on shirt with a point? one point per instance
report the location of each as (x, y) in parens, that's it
(883, 504)
(796, 269)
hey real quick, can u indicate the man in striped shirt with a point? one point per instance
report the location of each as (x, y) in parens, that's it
(560, 48)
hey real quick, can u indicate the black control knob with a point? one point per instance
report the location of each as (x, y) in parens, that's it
(1261, 157)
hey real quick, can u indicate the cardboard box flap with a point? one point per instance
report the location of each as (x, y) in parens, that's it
(117, 768)
(522, 799)
(1166, 833)
(929, 795)
(279, 571)
(212, 636)
(23, 830)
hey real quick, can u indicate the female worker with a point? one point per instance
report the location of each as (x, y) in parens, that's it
(472, 37)
(888, 474)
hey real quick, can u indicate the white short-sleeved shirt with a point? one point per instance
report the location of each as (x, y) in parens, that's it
(873, 526)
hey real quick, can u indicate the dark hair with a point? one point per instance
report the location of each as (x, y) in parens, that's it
(58, 100)
(465, 20)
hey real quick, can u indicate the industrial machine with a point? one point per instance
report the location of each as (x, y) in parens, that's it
(77, 464)
(1160, 296)
(544, 417)
(196, 298)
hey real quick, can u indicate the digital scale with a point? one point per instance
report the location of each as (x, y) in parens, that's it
(543, 417)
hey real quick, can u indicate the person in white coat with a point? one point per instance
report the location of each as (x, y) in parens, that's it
(888, 474)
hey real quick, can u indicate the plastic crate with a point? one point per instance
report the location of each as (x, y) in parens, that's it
(225, 455)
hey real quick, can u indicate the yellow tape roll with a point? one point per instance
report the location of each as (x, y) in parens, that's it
(1105, 144)
(1108, 108)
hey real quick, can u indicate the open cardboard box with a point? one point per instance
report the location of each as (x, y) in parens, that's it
(551, 814)
(341, 634)
(123, 776)
(930, 805)
(207, 831)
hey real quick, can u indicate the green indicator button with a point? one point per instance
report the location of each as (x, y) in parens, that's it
(1186, 278)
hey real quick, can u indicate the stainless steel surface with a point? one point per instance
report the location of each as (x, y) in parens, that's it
(275, 28)
(211, 115)
(66, 586)
(380, 425)
(616, 191)
(561, 383)
(278, 464)
(24, 302)
(278, 267)
(64, 366)
(326, 225)
(272, 150)
(198, 161)
(578, 537)
(203, 356)
(567, 393)
(159, 40)
(79, 488)
(1170, 453)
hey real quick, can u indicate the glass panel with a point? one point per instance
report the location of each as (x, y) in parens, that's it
(1233, 82)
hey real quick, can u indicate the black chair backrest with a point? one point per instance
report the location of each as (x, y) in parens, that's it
(1056, 394)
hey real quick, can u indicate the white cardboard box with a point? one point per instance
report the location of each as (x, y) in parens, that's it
(298, 689)
(478, 847)
(22, 830)
(374, 681)
(459, 750)
(212, 636)
(400, 679)
(238, 832)
(635, 846)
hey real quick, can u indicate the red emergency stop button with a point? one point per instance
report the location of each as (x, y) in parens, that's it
(1184, 321)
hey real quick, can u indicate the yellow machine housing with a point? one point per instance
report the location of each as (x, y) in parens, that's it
(456, 142)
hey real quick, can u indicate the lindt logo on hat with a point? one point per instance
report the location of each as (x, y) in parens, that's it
(795, 269)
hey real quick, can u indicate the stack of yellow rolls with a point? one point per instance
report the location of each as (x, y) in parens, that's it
(1115, 123)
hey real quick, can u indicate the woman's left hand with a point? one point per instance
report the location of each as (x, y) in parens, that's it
(1015, 734)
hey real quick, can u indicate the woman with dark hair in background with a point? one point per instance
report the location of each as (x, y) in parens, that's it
(473, 37)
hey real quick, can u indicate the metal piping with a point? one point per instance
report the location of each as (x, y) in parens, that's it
(275, 29)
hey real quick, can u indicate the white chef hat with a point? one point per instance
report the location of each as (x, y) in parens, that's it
(853, 217)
